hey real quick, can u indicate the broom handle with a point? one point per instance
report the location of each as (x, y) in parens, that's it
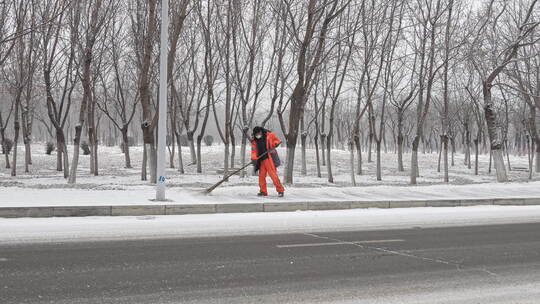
(227, 177)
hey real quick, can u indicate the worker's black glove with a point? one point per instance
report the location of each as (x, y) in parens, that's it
(255, 164)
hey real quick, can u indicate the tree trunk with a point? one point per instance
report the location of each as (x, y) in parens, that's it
(303, 138)
(453, 143)
(414, 160)
(316, 140)
(150, 148)
(490, 160)
(323, 147)
(172, 150)
(296, 111)
(199, 159)
(468, 148)
(243, 148)
(439, 161)
(476, 152)
(329, 158)
(400, 142)
(66, 159)
(27, 156)
(192, 147)
(369, 147)
(152, 159)
(507, 155)
(351, 163)
(494, 133)
(17, 128)
(125, 145)
(92, 139)
(94, 154)
(76, 149)
(467, 160)
(444, 144)
(537, 155)
(384, 141)
(329, 142)
(379, 170)
(233, 150)
(226, 160)
(4, 148)
(358, 155)
(59, 151)
(530, 147)
(180, 159)
(144, 167)
(400, 154)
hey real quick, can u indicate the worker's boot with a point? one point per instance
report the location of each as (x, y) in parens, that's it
(281, 194)
(262, 194)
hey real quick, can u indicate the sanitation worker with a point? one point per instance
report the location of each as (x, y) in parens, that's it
(265, 159)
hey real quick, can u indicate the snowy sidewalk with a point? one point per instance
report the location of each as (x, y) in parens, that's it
(21, 202)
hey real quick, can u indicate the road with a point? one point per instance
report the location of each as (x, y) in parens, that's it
(478, 264)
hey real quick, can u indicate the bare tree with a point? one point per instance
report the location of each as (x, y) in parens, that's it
(23, 68)
(179, 13)
(59, 72)
(428, 20)
(251, 69)
(117, 101)
(89, 18)
(312, 49)
(227, 25)
(211, 70)
(525, 78)
(347, 30)
(7, 43)
(388, 45)
(188, 86)
(491, 51)
(144, 32)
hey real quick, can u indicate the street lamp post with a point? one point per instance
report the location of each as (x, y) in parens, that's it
(162, 108)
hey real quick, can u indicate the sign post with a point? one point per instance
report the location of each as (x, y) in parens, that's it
(162, 108)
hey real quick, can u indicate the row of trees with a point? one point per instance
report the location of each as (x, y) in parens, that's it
(452, 73)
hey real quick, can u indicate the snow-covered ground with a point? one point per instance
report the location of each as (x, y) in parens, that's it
(141, 195)
(181, 226)
(115, 185)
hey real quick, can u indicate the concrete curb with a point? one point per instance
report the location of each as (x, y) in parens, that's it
(170, 209)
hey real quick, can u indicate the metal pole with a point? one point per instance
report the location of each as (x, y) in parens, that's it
(162, 109)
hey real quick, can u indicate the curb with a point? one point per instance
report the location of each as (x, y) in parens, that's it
(169, 209)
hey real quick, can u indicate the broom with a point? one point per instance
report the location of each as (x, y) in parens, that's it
(207, 191)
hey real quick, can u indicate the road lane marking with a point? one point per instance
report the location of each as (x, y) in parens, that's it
(338, 243)
(3, 260)
(459, 266)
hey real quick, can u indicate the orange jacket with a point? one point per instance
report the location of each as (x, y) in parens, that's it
(271, 142)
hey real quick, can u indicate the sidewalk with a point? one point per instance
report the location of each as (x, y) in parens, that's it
(32, 202)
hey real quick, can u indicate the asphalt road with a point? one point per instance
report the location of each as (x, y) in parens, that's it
(480, 264)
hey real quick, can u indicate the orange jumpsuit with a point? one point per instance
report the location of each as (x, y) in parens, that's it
(267, 165)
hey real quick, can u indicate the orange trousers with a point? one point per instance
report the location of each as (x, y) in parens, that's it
(267, 167)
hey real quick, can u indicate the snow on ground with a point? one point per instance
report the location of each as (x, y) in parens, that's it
(44, 186)
(27, 197)
(182, 226)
